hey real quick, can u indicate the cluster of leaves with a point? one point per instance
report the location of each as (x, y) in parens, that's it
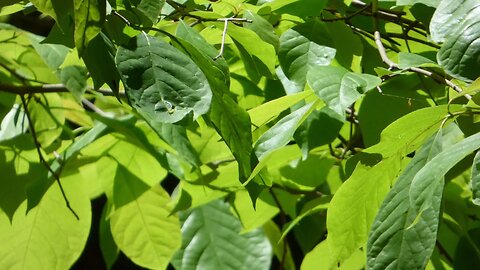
(321, 133)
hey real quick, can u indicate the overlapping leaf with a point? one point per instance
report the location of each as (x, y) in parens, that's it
(338, 87)
(212, 240)
(162, 83)
(457, 23)
(89, 17)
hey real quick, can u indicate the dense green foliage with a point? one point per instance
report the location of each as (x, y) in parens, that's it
(240, 134)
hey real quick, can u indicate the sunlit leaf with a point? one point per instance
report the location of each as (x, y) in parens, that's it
(144, 230)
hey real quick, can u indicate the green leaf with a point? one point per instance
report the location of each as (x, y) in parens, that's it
(475, 179)
(212, 240)
(391, 241)
(99, 59)
(304, 47)
(59, 10)
(430, 3)
(75, 79)
(282, 132)
(150, 9)
(319, 259)
(252, 218)
(270, 110)
(354, 206)
(145, 231)
(407, 60)
(320, 128)
(257, 55)
(89, 17)
(301, 8)
(48, 117)
(176, 136)
(108, 247)
(338, 87)
(229, 119)
(49, 236)
(456, 24)
(262, 28)
(163, 84)
(52, 54)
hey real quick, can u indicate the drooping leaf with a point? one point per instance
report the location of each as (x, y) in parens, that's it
(475, 179)
(212, 239)
(99, 58)
(319, 259)
(338, 87)
(257, 55)
(89, 17)
(144, 230)
(59, 10)
(48, 236)
(304, 47)
(150, 9)
(262, 28)
(162, 83)
(229, 119)
(391, 241)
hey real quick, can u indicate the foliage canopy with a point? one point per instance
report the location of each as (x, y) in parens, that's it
(240, 134)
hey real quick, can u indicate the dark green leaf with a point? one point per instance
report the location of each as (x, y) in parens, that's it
(476, 179)
(99, 59)
(162, 83)
(108, 247)
(212, 240)
(89, 17)
(230, 120)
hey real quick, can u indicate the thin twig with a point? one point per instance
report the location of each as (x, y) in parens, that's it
(224, 36)
(394, 66)
(42, 159)
(47, 88)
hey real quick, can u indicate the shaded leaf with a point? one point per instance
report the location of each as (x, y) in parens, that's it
(75, 79)
(338, 87)
(262, 28)
(212, 239)
(475, 179)
(144, 230)
(162, 83)
(99, 58)
(89, 17)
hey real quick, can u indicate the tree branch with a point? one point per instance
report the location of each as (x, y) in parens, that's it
(42, 159)
(394, 66)
(46, 88)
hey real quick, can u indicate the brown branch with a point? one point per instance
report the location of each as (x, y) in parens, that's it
(42, 159)
(394, 66)
(46, 88)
